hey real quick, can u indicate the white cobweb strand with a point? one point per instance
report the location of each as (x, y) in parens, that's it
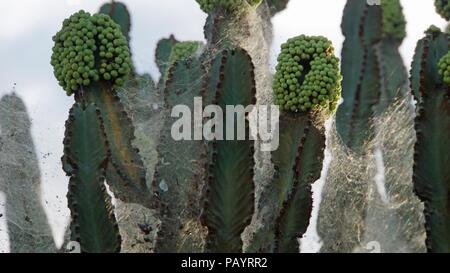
(139, 225)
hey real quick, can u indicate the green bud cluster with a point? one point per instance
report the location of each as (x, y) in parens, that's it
(444, 68)
(307, 75)
(228, 5)
(443, 8)
(88, 49)
(394, 22)
(184, 50)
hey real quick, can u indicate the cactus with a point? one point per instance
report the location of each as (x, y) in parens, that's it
(94, 75)
(298, 161)
(431, 174)
(27, 225)
(229, 197)
(93, 222)
(109, 63)
(373, 71)
(179, 171)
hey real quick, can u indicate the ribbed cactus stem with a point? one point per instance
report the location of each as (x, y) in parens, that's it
(284, 209)
(230, 195)
(91, 59)
(431, 173)
(179, 175)
(93, 223)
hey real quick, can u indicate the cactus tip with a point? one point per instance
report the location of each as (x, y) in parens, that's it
(88, 49)
(307, 75)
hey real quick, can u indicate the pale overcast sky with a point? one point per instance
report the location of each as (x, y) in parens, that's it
(27, 26)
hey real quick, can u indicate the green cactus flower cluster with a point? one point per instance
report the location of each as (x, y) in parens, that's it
(394, 22)
(184, 50)
(444, 68)
(228, 5)
(443, 8)
(88, 49)
(307, 75)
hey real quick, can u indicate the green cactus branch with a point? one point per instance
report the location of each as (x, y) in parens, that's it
(298, 164)
(393, 74)
(230, 192)
(125, 173)
(361, 73)
(181, 167)
(431, 172)
(92, 59)
(93, 222)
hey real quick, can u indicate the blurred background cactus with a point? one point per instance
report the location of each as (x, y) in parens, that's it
(20, 181)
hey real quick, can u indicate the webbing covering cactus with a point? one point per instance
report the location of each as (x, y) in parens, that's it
(20, 181)
(179, 173)
(318, 88)
(431, 172)
(374, 79)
